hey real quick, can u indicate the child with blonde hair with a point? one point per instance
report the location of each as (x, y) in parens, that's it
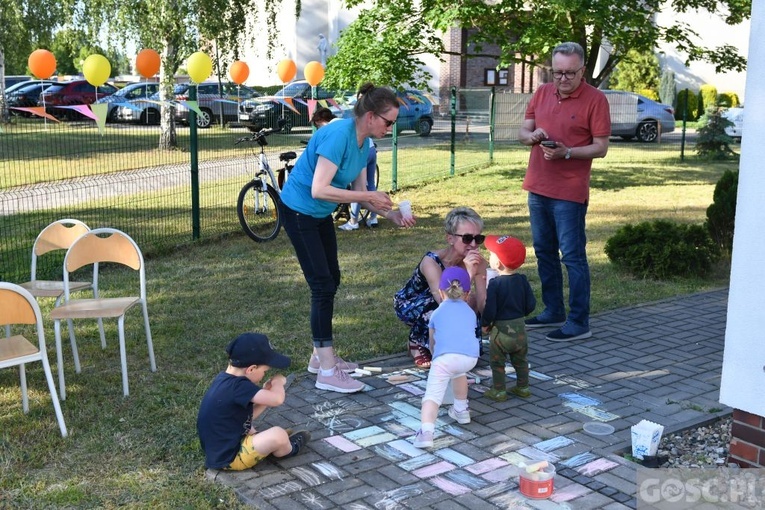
(455, 349)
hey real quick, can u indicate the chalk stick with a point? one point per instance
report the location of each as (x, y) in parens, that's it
(372, 369)
(536, 466)
(398, 378)
(363, 372)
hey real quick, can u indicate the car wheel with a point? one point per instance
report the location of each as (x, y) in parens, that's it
(205, 119)
(647, 132)
(150, 116)
(424, 126)
(287, 127)
(112, 116)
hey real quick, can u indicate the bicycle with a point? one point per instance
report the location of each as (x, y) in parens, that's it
(258, 203)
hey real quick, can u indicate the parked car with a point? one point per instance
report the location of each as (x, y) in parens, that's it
(127, 93)
(415, 112)
(215, 100)
(736, 116)
(69, 93)
(636, 116)
(16, 86)
(13, 80)
(26, 96)
(265, 111)
(143, 111)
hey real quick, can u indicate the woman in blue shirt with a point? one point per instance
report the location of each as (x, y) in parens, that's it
(335, 156)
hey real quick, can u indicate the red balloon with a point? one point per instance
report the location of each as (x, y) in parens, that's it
(239, 71)
(147, 63)
(42, 63)
(314, 72)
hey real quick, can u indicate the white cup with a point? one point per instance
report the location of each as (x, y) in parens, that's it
(405, 208)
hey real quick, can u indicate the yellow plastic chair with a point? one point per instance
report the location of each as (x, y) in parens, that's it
(18, 306)
(101, 245)
(59, 235)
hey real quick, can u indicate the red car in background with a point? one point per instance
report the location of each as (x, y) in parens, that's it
(70, 93)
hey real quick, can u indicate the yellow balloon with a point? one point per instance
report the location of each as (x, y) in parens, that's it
(96, 69)
(199, 67)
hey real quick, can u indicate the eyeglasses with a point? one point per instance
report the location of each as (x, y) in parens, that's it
(388, 123)
(469, 238)
(570, 75)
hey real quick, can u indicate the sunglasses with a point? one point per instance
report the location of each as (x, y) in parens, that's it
(469, 238)
(388, 123)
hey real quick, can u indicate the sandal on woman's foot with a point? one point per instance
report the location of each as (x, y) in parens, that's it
(421, 355)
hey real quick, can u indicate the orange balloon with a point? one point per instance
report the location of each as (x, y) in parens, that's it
(314, 72)
(147, 62)
(42, 63)
(286, 69)
(239, 71)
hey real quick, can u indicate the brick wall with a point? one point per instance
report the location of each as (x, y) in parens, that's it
(747, 444)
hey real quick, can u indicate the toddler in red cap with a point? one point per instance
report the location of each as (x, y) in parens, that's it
(509, 299)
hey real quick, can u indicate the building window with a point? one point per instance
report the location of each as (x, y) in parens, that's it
(490, 77)
(503, 75)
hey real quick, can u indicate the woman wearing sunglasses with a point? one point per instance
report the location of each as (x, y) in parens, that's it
(335, 156)
(415, 302)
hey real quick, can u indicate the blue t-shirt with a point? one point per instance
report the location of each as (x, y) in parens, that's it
(454, 322)
(336, 142)
(224, 416)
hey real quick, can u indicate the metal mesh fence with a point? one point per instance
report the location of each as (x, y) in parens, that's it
(118, 177)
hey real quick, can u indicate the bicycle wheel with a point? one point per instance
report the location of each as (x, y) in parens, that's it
(258, 211)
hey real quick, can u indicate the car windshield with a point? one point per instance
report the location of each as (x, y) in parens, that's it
(54, 88)
(292, 90)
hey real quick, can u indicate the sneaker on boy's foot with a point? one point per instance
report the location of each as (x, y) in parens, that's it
(298, 440)
(496, 395)
(372, 221)
(345, 366)
(462, 417)
(521, 391)
(349, 226)
(339, 381)
(423, 439)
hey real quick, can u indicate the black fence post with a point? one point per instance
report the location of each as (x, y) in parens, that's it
(194, 150)
(453, 112)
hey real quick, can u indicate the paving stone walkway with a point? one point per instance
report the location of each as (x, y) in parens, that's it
(659, 361)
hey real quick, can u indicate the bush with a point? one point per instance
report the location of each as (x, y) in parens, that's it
(687, 100)
(667, 88)
(662, 249)
(721, 215)
(728, 100)
(707, 99)
(712, 141)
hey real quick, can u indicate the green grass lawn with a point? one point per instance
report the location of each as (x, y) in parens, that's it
(142, 451)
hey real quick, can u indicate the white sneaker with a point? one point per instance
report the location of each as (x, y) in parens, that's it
(423, 439)
(349, 226)
(339, 381)
(345, 366)
(372, 221)
(462, 417)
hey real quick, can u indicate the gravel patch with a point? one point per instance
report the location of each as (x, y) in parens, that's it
(700, 447)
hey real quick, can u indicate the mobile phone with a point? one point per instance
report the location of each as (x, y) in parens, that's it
(549, 143)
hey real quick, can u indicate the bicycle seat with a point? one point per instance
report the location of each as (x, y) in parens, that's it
(287, 156)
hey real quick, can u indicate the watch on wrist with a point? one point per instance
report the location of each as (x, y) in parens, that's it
(568, 153)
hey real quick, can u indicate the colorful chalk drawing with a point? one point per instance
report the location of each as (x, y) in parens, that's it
(586, 406)
(553, 443)
(580, 399)
(433, 469)
(306, 475)
(418, 462)
(579, 460)
(328, 470)
(283, 489)
(466, 479)
(572, 381)
(535, 455)
(454, 457)
(391, 498)
(390, 453)
(449, 486)
(596, 467)
(329, 414)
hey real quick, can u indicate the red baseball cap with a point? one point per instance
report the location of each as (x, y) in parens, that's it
(509, 250)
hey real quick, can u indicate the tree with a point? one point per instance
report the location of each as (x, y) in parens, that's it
(668, 88)
(637, 72)
(526, 32)
(26, 25)
(177, 28)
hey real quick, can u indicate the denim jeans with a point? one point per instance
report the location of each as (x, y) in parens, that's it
(558, 225)
(371, 181)
(316, 249)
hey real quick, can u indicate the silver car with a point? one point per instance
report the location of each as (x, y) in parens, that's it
(636, 116)
(736, 116)
(127, 93)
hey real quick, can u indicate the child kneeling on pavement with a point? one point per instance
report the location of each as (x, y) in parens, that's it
(509, 300)
(455, 349)
(226, 420)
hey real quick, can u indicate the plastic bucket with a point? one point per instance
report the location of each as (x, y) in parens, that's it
(539, 484)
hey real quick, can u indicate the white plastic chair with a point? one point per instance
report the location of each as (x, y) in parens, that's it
(18, 306)
(57, 236)
(100, 246)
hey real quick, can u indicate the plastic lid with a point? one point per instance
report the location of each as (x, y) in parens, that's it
(598, 429)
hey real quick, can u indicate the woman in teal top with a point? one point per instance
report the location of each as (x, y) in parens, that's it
(334, 158)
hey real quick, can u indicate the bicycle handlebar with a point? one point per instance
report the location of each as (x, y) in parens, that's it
(257, 136)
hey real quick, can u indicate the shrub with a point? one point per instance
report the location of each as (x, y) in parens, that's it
(667, 88)
(707, 98)
(687, 103)
(728, 100)
(721, 214)
(662, 249)
(712, 141)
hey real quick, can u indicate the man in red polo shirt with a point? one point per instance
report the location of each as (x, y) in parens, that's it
(567, 124)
